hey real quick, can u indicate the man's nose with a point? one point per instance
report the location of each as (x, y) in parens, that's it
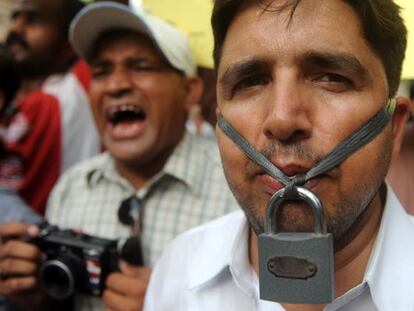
(289, 114)
(18, 25)
(119, 83)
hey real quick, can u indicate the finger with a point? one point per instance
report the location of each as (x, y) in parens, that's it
(143, 273)
(117, 302)
(17, 267)
(16, 285)
(126, 285)
(19, 249)
(18, 230)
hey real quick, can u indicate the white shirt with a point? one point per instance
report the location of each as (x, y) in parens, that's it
(208, 268)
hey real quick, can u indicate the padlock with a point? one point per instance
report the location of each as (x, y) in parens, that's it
(296, 267)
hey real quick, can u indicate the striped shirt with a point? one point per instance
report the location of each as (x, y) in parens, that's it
(190, 190)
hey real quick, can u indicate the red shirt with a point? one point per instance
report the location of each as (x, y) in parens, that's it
(32, 139)
(51, 130)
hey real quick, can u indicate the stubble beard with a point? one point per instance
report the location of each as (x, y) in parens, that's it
(345, 209)
(36, 64)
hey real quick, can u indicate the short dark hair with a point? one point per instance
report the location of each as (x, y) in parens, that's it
(381, 23)
(9, 80)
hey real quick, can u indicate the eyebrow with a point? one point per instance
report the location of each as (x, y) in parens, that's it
(244, 68)
(335, 61)
(100, 63)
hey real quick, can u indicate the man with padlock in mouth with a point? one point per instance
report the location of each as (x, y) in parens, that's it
(307, 125)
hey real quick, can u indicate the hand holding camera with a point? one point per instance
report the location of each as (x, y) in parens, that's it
(75, 263)
(19, 261)
(125, 290)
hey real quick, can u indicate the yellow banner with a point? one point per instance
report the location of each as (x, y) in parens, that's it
(408, 14)
(192, 17)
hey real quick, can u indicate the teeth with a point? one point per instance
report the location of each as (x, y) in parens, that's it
(122, 108)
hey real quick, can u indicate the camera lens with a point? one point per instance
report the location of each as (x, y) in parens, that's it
(59, 277)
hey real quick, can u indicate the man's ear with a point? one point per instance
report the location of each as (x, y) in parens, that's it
(399, 120)
(194, 91)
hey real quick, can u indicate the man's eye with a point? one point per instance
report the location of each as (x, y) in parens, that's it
(145, 67)
(334, 82)
(99, 73)
(32, 18)
(248, 83)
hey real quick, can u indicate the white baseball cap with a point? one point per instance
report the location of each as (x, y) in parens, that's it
(98, 18)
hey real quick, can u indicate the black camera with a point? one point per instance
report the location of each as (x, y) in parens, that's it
(80, 263)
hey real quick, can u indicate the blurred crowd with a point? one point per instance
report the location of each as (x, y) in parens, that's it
(107, 128)
(104, 127)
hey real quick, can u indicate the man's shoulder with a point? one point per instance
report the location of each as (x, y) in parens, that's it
(203, 146)
(73, 185)
(203, 238)
(37, 100)
(193, 257)
(82, 169)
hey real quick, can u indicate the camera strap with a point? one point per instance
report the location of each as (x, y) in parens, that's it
(356, 140)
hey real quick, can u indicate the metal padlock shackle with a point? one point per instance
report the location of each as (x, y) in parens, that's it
(303, 194)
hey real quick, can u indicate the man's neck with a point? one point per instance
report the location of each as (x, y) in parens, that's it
(407, 145)
(351, 261)
(139, 175)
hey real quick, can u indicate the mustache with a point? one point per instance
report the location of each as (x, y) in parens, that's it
(297, 151)
(16, 39)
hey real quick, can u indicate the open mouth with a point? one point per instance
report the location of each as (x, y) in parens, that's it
(125, 114)
(126, 120)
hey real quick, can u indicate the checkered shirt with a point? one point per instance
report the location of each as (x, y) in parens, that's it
(190, 190)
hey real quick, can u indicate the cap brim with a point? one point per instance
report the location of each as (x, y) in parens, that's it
(98, 18)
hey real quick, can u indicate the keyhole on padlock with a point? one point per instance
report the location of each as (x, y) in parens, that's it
(312, 270)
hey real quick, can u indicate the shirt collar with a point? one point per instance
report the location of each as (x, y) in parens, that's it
(390, 264)
(105, 169)
(185, 164)
(390, 269)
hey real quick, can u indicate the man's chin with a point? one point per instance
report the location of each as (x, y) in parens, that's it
(290, 218)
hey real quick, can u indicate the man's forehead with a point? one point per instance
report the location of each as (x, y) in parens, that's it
(310, 28)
